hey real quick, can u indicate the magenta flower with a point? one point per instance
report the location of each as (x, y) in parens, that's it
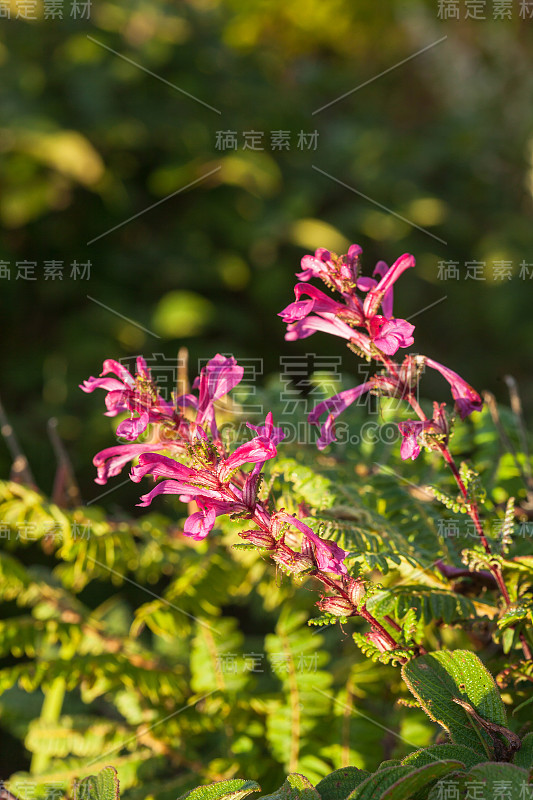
(269, 432)
(118, 389)
(322, 313)
(210, 487)
(466, 398)
(109, 462)
(138, 395)
(334, 406)
(390, 334)
(161, 466)
(216, 379)
(377, 295)
(199, 524)
(414, 432)
(365, 284)
(340, 273)
(327, 554)
(326, 322)
(257, 450)
(319, 302)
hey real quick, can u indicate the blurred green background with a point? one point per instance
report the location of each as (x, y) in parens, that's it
(90, 140)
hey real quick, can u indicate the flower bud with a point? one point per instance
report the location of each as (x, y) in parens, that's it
(337, 606)
(260, 538)
(249, 490)
(376, 638)
(277, 525)
(356, 590)
(292, 562)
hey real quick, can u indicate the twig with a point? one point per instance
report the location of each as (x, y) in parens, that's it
(66, 492)
(183, 385)
(516, 406)
(20, 470)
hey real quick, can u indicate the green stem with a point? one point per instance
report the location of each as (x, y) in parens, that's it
(50, 712)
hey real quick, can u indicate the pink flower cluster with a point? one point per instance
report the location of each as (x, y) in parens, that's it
(384, 333)
(218, 482)
(183, 451)
(376, 337)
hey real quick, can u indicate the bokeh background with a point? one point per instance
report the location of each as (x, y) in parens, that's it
(89, 140)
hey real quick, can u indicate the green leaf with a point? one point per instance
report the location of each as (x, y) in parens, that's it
(234, 789)
(440, 752)
(374, 786)
(452, 786)
(296, 787)
(405, 788)
(494, 775)
(515, 613)
(431, 604)
(339, 784)
(390, 762)
(489, 781)
(438, 679)
(524, 756)
(103, 786)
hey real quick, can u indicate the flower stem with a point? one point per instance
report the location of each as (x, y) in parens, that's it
(473, 512)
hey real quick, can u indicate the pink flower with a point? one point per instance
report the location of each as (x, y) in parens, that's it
(325, 322)
(334, 406)
(109, 462)
(414, 432)
(365, 284)
(315, 266)
(390, 334)
(216, 379)
(328, 555)
(377, 295)
(163, 467)
(320, 302)
(125, 393)
(257, 450)
(269, 432)
(466, 398)
(199, 524)
(211, 486)
(338, 272)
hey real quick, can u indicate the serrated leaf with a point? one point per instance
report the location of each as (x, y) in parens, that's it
(296, 787)
(234, 789)
(390, 762)
(339, 784)
(440, 752)
(452, 786)
(494, 775)
(405, 788)
(103, 786)
(437, 679)
(524, 756)
(374, 786)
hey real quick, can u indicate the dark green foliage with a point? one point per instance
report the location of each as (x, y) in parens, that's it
(187, 662)
(438, 680)
(339, 784)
